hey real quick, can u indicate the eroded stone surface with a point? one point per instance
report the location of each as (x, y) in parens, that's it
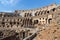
(36, 24)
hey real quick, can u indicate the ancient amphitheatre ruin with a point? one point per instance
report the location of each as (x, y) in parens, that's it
(35, 24)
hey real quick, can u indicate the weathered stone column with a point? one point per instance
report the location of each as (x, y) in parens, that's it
(46, 20)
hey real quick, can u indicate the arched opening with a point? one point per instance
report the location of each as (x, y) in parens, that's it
(49, 20)
(47, 11)
(1, 34)
(35, 21)
(41, 12)
(10, 23)
(14, 22)
(30, 14)
(25, 15)
(0, 15)
(18, 23)
(53, 9)
(8, 26)
(23, 34)
(35, 14)
(3, 23)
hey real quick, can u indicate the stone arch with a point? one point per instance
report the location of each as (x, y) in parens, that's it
(49, 20)
(39, 12)
(36, 13)
(1, 34)
(47, 11)
(53, 9)
(35, 21)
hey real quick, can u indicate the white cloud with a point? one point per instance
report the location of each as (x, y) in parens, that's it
(6, 11)
(8, 2)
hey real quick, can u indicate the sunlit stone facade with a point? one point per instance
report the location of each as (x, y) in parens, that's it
(36, 24)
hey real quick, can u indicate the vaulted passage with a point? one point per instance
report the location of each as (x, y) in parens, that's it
(27, 22)
(1, 34)
(23, 34)
(49, 20)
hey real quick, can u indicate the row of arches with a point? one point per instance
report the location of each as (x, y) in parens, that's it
(37, 13)
(27, 22)
(9, 15)
(42, 21)
(10, 20)
(44, 12)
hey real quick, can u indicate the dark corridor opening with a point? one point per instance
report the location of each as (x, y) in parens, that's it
(23, 35)
(49, 20)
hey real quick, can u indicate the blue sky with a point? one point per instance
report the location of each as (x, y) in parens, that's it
(12, 5)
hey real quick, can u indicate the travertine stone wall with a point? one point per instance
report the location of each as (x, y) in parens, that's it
(41, 18)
